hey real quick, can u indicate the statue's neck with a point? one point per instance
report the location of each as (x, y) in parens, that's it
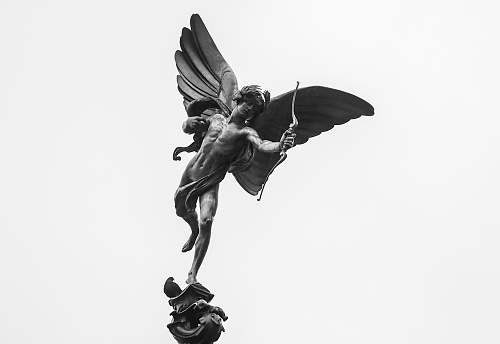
(237, 118)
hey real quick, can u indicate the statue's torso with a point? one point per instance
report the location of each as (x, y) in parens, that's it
(221, 144)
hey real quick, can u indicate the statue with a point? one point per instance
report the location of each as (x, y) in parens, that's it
(243, 132)
(194, 320)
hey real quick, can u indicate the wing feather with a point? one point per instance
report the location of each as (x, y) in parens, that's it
(216, 63)
(189, 48)
(187, 91)
(191, 77)
(187, 98)
(206, 45)
(203, 71)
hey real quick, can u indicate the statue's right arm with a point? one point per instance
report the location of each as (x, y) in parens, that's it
(195, 125)
(266, 146)
(263, 146)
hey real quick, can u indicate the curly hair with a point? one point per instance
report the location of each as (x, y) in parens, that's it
(253, 94)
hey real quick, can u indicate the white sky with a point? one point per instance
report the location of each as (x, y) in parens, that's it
(383, 230)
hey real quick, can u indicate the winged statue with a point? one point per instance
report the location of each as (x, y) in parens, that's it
(241, 131)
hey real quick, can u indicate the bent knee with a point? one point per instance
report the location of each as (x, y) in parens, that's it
(206, 222)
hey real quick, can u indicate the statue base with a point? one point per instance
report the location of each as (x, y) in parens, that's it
(194, 320)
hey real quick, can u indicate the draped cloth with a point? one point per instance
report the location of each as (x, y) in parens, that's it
(186, 196)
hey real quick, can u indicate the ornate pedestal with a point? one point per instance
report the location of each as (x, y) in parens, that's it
(194, 321)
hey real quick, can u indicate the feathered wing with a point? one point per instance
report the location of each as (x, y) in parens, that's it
(203, 72)
(318, 109)
(205, 81)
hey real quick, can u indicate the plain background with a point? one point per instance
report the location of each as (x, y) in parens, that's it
(383, 230)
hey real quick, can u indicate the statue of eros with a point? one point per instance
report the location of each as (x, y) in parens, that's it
(241, 131)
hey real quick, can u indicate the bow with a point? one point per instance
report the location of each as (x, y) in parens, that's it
(290, 130)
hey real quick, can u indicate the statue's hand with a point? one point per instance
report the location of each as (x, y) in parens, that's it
(193, 124)
(287, 140)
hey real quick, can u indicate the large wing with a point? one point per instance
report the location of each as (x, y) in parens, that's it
(203, 72)
(317, 109)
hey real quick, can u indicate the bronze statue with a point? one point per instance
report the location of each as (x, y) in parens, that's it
(243, 132)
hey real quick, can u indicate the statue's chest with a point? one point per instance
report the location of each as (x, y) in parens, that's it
(218, 124)
(222, 136)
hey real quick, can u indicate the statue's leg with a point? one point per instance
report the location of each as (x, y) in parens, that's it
(191, 217)
(208, 207)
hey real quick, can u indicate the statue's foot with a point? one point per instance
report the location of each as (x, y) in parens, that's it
(191, 279)
(190, 243)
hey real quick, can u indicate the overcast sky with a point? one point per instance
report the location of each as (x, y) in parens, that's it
(383, 230)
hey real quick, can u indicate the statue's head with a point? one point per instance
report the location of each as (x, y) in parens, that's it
(254, 96)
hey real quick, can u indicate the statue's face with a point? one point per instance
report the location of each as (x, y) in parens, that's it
(247, 109)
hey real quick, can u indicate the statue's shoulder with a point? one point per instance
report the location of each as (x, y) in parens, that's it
(217, 117)
(249, 130)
